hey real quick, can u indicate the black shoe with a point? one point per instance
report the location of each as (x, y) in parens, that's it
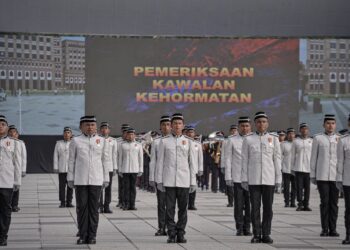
(333, 233)
(347, 240)
(181, 239)
(266, 239)
(171, 239)
(229, 205)
(256, 239)
(107, 210)
(3, 241)
(132, 208)
(324, 233)
(15, 209)
(239, 233)
(286, 205)
(293, 205)
(118, 205)
(299, 208)
(62, 205)
(160, 232)
(307, 209)
(78, 234)
(69, 205)
(125, 208)
(81, 241)
(247, 233)
(92, 241)
(100, 210)
(192, 208)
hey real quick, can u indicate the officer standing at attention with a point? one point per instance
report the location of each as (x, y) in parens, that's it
(176, 174)
(124, 128)
(165, 129)
(13, 133)
(300, 163)
(261, 170)
(60, 166)
(88, 175)
(224, 156)
(233, 173)
(10, 178)
(343, 178)
(130, 162)
(111, 164)
(287, 173)
(324, 173)
(197, 160)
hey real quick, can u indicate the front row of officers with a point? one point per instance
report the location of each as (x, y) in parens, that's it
(255, 164)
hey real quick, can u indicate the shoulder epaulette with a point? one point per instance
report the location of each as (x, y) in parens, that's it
(273, 133)
(343, 136)
(188, 137)
(163, 137)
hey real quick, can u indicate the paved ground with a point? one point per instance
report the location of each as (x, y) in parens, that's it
(42, 225)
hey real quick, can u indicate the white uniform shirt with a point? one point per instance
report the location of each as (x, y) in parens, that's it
(87, 156)
(154, 158)
(286, 153)
(343, 163)
(61, 156)
(112, 148)
(198, 156)
(301, 154)
(324, 157)
(130, 157)
(261, 159)
(23, 156)
(175, 164)
(10, 162)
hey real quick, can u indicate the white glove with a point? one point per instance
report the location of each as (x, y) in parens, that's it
(16, 188)
(229, 183)
(152, 184)
(120, 174)
(200, 173)
(313, 180)
(139, 174)
(23, 174)
(192, 188)
(105, 184)
(160, 187)
(114, 172)
(245, 186)
(278, 187)
(340, 186)
(70, 184)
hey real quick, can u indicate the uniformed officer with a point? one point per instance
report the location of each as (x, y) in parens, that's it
(124, 128)
(10, 177)
(130, 162)
(300, 164)
(343, 178)
(176, 173)
(281, 135)
(197, 160)
(165, 128)
(88, 174)
(229, 187)
(287, 173)
(323, 174)
(233, 152)
(13, 133)
(261, 170)
(60, 166)
(111, 164)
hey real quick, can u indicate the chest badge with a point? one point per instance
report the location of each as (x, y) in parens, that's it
(8, 144)
(184, 142)
(98, 142)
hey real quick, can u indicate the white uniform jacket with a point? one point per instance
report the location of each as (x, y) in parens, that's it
(175, 164)
(324, 157)
(343, 164)
(112, 148)
(130, 157)
(301, 154)
(61, 156)
(154, 158)
(10, 162)
(286, 153)
(261, 159)
(86, 164)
